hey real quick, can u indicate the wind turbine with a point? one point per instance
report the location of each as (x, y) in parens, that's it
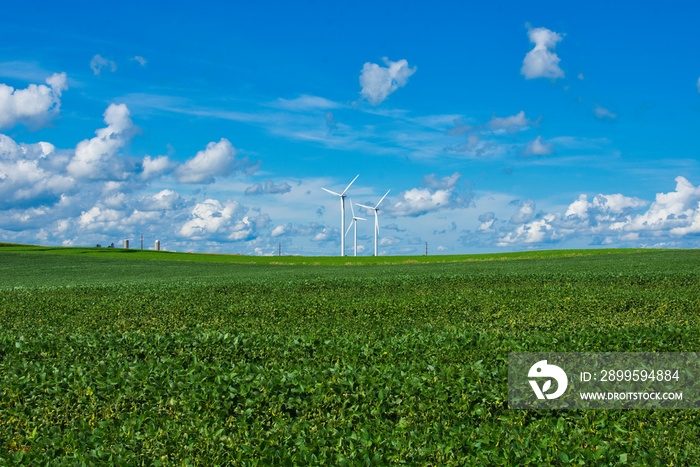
(376, 219)
(354, 221)
(342, 213)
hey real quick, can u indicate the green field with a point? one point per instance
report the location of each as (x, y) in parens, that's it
(129, 357)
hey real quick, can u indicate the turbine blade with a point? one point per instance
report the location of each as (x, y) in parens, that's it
(359, 218)
(351, 209)
(353, 181)
(366, 207)
(331, 192)
(348, 231)
(380, 201)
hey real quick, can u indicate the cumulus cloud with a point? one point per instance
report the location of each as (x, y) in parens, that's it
(542, 61)
(142, 61)
(378, 82)
(487, 220)
(268, 188)
(698, 84)
(537, 231)
(212, 218)
(440, 193)
(155, 167)
(419, 201)
(217, 160)
(326, 235)
(34, 106)
(510, 124)
(99, 63)
(615, 218)
(164, 200)
(525, 213)
(604, 208)
(27, 175)
(538, 147)
(96, 158)
(676, 211)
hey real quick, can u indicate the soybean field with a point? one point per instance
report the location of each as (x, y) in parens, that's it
(137, 358)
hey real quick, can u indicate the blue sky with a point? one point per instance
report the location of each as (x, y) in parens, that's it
(212, 127)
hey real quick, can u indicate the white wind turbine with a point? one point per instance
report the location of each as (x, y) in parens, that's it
(376, 219)
(354, 222)
(342, 213)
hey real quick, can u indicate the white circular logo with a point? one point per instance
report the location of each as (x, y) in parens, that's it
(542, 370)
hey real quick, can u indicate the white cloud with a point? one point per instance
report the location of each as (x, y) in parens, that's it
(676, 211)
(487, 220)
(608, 214)
(27, 176)
(210, 218)
(327, 234)
(692, 226)
(614, 218)
(578, 208)
(537, 231)
(440, 194)
(541, 61)
(164, 200)
(601, 113)
(698, 84)
(538, 147)
(34, 106)
(96, 158)
(102, 220)
(510, 124)
(142, 61)
(419, 201)
(99, 63)
(525, 213)
(281, 230)
(213, 220)
(155, 167)
(306, 102)
(378, 82)
(217, 160)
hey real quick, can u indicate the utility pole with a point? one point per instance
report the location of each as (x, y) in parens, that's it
(142, 240)
(426, 248)
(279, 249)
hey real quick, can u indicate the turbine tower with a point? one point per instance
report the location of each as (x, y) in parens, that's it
(354, 221)
(342, 213)
(376, 219)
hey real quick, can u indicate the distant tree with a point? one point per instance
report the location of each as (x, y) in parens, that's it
(111, 246)
(98, 246)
